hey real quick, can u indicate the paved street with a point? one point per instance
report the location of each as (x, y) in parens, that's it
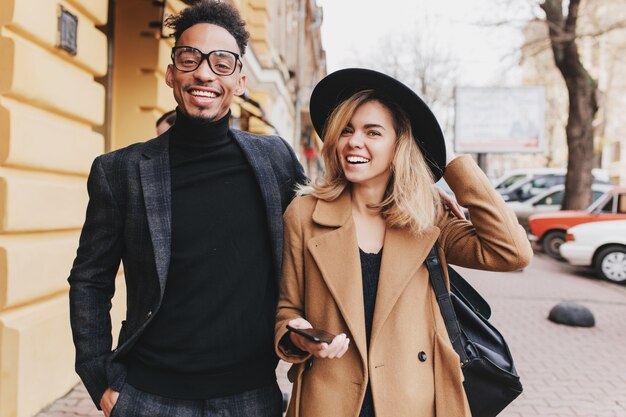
(567, 372)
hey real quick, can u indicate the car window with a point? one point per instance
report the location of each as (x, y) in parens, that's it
(547, 181)
(553, 180)
(511, 180)
(539, 182)
(607, 207)
(595, 205)
(552, 199)
(621, 204)
(526, 187)
(538, 185)
(596, 194)
(526, 191)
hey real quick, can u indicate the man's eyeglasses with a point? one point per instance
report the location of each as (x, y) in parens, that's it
(187, 59)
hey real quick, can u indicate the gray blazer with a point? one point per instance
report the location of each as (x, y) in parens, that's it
(129, 220)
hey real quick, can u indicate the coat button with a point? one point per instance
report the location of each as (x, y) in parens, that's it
(422, 356)
(149, 314)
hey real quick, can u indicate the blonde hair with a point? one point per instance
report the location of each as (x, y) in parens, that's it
(410, 199)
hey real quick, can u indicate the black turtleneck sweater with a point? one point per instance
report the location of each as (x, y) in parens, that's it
(213, 333)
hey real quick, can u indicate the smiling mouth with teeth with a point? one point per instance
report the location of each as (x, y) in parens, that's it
(199, 93)
(357, 160)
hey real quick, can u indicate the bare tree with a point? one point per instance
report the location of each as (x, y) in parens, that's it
(421, 62)
(585, 100)
(583, 105)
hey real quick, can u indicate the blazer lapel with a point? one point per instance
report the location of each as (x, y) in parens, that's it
(262, 168)
(336, 254)
(403, 253)
(156, 186)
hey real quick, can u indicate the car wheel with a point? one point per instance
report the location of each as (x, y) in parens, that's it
(551, 243)
(611, 264)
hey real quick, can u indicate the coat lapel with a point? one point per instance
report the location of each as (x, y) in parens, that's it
(403, 253)
(262, 168)
(336, 254)
(156, 186)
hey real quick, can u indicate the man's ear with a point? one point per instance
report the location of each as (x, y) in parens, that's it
(169, 76)
(241, 85)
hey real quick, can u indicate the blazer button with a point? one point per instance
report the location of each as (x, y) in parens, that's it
(149, 314)
(422, 356)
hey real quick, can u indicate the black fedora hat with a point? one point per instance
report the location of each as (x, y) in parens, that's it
(342, 84)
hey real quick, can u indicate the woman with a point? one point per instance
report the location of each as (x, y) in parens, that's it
(354, 256)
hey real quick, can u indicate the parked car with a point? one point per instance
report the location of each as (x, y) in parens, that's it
(600, 245)
(520, 175)
(549, 229)
(524, 190)
(549, 201)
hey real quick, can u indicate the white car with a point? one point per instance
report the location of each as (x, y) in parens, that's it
(549, 201)
(599, 244)
(522, 174)
(517, 176)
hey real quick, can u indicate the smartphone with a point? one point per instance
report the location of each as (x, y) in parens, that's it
(314, 335)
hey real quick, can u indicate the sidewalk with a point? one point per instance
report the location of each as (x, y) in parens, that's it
(566, 371)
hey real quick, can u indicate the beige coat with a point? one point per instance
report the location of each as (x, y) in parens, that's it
(322, 282)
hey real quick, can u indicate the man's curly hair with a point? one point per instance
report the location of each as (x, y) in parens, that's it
(214, 12)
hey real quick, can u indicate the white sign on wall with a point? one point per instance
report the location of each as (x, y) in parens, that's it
(499, 119)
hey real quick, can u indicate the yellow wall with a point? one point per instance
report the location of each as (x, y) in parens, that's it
(256, 14)
(50, 104)
(51, 110)
(52, 115)
(140, 94)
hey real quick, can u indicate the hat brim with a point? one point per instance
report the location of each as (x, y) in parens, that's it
(340, 85)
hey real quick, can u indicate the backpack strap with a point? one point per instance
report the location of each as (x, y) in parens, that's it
(435, 271)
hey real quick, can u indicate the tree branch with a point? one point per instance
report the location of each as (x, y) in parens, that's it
(614, 26)
(572, 16)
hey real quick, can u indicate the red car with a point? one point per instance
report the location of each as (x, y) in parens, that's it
(549, 229)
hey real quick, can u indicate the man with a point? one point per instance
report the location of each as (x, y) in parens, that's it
(195, 215)
(166, 121)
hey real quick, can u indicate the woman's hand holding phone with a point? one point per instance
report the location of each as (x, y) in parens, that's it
(333, 350)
